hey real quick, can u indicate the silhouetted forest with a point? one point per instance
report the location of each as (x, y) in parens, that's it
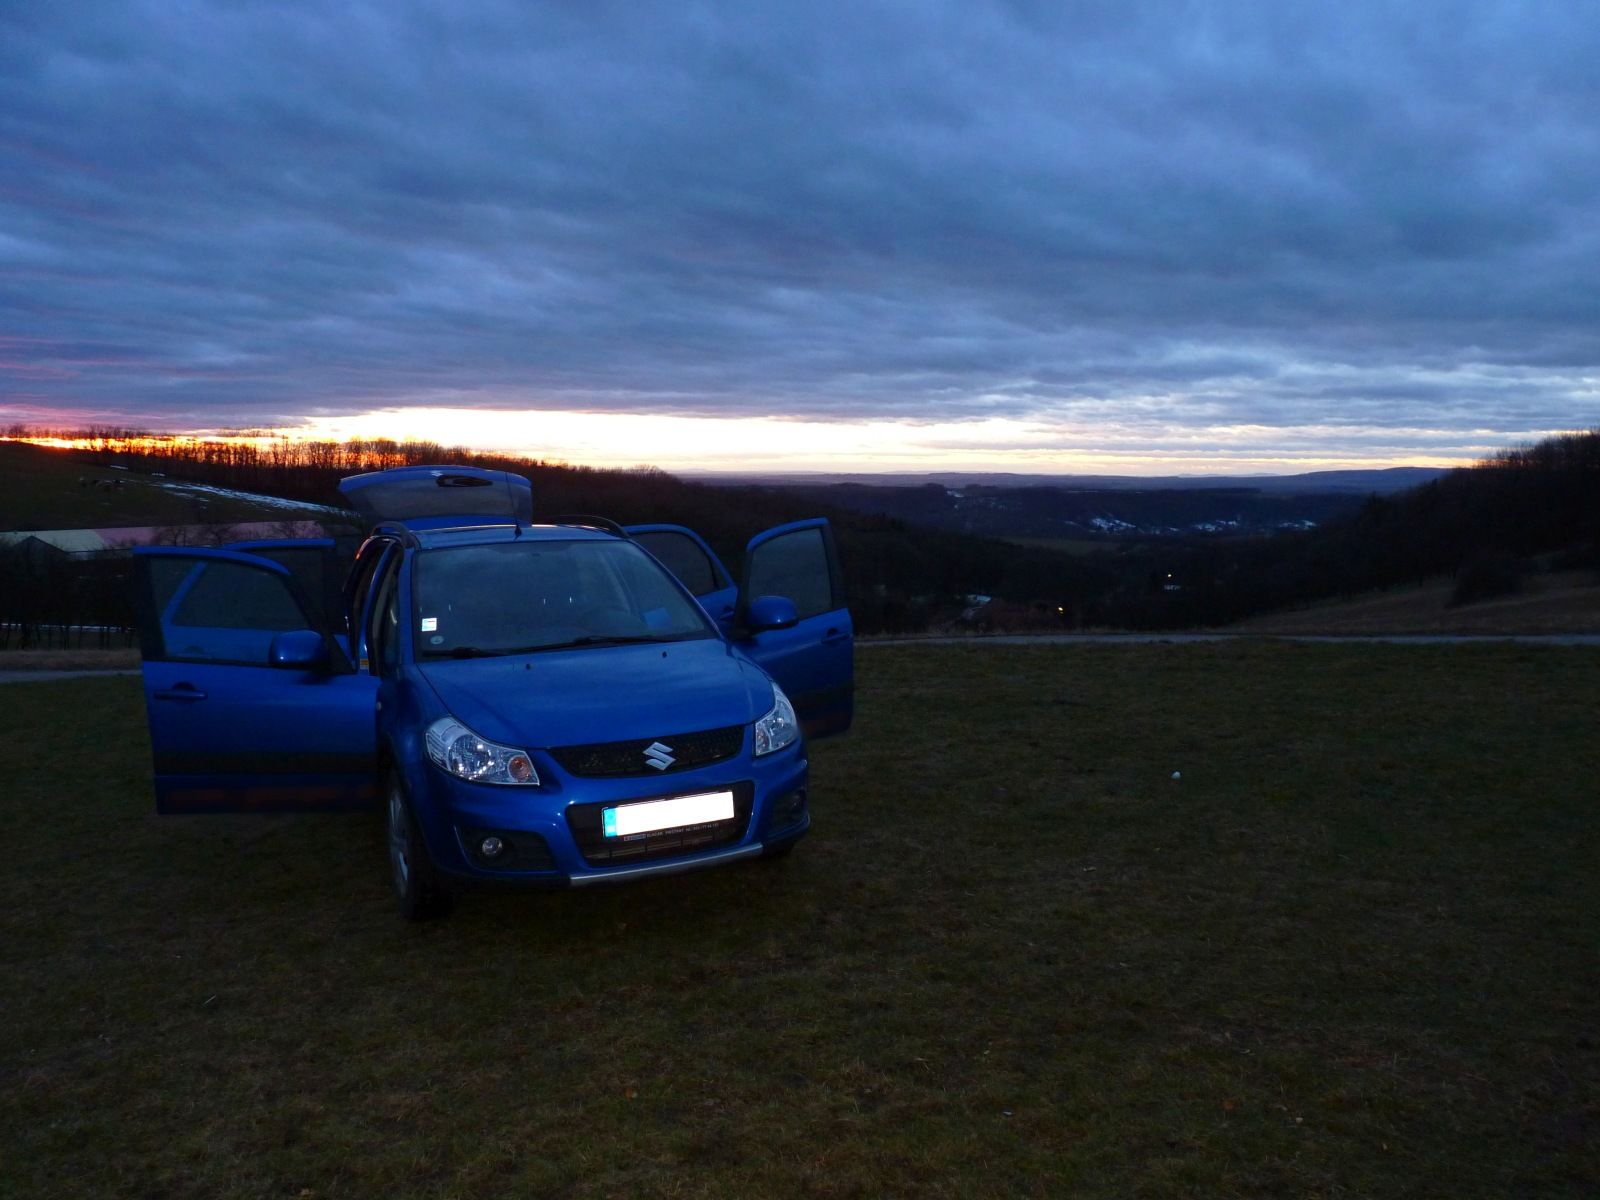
(1484, 524)
(900, 578)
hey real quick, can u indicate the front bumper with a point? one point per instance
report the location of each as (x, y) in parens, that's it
(543, 841)
(673, 866)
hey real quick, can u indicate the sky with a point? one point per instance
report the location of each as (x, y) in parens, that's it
(954, 234)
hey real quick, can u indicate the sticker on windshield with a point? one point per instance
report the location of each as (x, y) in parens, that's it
(429, 624)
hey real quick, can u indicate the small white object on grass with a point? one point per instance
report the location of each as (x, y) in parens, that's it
(1177, 774)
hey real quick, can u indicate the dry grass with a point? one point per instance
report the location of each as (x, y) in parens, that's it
(1557, 602)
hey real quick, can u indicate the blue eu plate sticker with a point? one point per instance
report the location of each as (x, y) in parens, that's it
(609, 816)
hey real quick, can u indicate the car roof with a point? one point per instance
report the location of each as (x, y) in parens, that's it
(430, 533)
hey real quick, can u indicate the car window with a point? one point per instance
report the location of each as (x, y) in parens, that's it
(366, 565)
(386, 624)
(218, 611)
(226, 595)
(794, 565)
(685, 558)
(535, 595)
(314, 569)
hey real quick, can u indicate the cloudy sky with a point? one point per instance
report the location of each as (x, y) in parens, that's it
(1129, 237)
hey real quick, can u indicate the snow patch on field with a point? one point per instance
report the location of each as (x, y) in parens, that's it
(222, 493)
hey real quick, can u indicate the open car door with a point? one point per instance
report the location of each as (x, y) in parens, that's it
(813, 660)
(685, 553)
(252, 704)
(315, 563)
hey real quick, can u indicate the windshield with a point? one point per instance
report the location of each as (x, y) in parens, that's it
(524, 596)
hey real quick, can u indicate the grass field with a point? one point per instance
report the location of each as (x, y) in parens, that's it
(1353, 951)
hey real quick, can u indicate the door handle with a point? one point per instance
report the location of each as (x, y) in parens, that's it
(183, 691)
(834, 635)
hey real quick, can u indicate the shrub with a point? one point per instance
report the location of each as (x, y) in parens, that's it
(1485, 577)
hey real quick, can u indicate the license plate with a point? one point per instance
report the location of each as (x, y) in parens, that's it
(652, 816)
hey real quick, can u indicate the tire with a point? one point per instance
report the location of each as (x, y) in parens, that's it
(418, 891)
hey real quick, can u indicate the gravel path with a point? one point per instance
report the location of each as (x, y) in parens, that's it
(1112, 639)
(41, 676)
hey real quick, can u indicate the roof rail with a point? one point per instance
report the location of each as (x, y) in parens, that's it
(512, 525)
(588, 521)
(402, 531)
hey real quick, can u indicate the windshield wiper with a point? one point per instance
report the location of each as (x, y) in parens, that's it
(588, 639)
(606, 639)
(466, 652)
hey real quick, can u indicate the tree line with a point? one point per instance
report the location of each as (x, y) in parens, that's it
(1482, 524)
(900, 578)
(1485, 525)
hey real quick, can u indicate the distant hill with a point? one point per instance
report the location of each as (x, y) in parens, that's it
(899, 578)
(914, 557)
(1381, 481)
(1179, 553)
(1095, 513)
(1098, 507)
(42, 488)
(1490, 528)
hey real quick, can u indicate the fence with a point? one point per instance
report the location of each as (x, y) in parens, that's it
(55, 599)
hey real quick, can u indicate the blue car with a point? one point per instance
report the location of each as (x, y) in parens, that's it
(544, 704)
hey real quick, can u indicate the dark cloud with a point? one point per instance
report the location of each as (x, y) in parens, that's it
(1172, 217)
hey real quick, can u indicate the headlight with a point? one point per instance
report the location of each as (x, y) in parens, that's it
(779, 727)
(456, 749)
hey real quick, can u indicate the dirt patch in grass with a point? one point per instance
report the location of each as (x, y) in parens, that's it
(1349, 951)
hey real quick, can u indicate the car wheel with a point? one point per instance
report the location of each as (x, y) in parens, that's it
(418, 891)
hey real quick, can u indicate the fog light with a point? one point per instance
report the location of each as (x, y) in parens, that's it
(491, 847)
(787, 810)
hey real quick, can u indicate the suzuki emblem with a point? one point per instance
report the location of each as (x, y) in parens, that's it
(659, 756)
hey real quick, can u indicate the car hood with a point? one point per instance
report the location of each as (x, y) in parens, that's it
(603, 693)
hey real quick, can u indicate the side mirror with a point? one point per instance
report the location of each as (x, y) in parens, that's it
(301, 650)
(771, 612)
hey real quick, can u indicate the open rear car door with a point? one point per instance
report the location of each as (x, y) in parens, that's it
(409, 493)
(253, 705)
(685, 553)
(812, 659)
(316, 565)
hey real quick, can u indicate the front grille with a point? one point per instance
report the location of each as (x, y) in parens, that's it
(610, 760)
(588, 831)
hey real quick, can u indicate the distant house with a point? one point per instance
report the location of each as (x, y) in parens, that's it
(30, 542)
(57, 585)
